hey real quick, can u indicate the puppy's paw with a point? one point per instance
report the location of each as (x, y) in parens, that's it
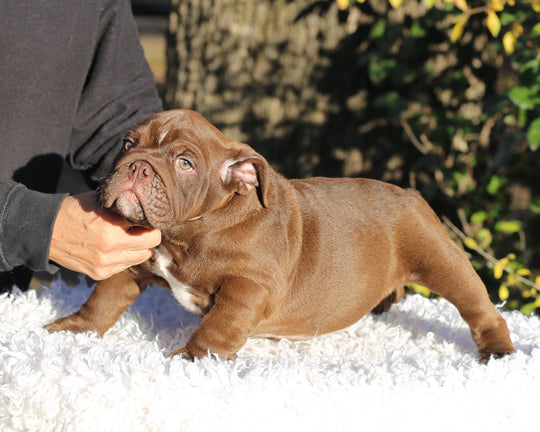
(494, 341)
(182, 353)
(72, 323)
(486, 356)
(187, 354)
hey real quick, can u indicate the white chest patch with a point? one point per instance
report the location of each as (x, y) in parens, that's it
(180, 291)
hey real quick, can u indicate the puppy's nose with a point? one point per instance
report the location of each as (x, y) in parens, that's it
(141, 170)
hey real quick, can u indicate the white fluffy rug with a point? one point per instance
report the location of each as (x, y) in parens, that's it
(413, 367)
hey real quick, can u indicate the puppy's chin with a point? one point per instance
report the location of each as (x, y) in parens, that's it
(128, 206)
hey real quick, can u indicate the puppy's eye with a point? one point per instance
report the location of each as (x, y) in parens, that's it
(184, 164)
(128, 144)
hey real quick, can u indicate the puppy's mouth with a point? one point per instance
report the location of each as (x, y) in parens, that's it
(138, 193)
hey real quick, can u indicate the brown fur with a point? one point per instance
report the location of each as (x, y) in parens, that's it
(265, 256)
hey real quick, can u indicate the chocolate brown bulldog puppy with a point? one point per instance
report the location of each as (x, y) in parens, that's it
(255, 254)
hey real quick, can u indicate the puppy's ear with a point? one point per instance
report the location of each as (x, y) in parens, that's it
(244, 171)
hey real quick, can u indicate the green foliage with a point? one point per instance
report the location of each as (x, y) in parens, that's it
(462, 80)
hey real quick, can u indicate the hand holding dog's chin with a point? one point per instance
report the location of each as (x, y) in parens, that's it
(92, 240)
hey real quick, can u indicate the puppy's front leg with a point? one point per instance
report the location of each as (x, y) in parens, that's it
(239, 307)
(107, 302)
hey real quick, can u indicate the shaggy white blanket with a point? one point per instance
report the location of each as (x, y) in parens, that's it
(413, 367)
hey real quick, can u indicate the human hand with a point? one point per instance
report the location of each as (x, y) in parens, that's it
(90, 239)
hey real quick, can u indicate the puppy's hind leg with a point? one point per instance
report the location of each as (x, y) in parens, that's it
(438, 264)
(107, 302)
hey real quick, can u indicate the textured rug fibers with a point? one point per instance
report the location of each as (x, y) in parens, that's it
(412, 368)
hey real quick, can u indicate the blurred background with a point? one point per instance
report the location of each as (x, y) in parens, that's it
(442, 96)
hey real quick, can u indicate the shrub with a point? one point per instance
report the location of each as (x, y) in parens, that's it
(463, 81)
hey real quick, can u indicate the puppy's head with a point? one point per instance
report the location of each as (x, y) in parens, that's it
(176, 166)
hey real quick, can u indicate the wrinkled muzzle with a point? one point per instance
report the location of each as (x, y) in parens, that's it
(136, 192)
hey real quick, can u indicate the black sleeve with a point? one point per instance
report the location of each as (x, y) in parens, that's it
(118, 94)
(26, 223)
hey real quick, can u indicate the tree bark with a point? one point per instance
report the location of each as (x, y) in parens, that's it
(259, 71)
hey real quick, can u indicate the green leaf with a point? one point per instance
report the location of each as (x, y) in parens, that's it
(533, 65)
(510, 120)
(484, 237)
(495, 184)
(429, 3)
(508, 18)
(508, 227)
(533, 134)
(522, 117)
(535, 31)
(479, 217)
(417, 31)
(378, 29)
(534, 205)
(380, 68)
(387, 100)
(528, 309)
(524, 97)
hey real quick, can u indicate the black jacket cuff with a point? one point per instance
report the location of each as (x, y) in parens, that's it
(27, 226)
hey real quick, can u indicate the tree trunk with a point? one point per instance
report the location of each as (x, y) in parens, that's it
(258, 70)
